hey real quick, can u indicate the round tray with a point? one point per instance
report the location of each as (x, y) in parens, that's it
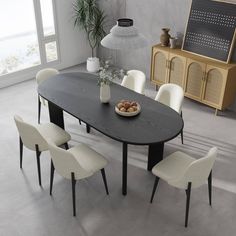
(128, 114)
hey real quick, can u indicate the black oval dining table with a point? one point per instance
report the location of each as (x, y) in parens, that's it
(78, 94)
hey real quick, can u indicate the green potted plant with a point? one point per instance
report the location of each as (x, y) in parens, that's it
(89, 17)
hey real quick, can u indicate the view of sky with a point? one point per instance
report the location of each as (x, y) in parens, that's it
(47, 16)
(17, 16)
(12, 21)
(18, 34)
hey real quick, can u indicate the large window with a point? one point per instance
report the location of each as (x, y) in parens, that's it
(27, 35)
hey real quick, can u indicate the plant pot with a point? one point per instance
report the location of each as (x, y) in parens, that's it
(93, 64)
(105, 94)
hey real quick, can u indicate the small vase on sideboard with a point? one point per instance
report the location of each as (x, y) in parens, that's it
(165, 37)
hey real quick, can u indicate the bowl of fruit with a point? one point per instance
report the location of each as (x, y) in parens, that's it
(127, 108)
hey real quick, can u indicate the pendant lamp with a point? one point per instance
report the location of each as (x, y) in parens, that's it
(124, 36)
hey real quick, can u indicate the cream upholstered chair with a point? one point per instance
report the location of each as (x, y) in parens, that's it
(42, 75)
(76, 163)
(34, 138)
(171, 95)
(134, 80)
(185, 172)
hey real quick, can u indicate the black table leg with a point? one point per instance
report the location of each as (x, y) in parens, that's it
(124, 169)
(155, 154)
(56, 115)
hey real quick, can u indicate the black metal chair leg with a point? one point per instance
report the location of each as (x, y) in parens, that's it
(39, 109)
(187, 203)
(66, 146)
(21, 152)
(154, 188)
(182, 131)
(210, 187)
(104, 180)
(51, 177)
(38, 163)
(73, 182)
(87, 128)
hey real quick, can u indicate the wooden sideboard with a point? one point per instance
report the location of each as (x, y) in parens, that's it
(205, 80)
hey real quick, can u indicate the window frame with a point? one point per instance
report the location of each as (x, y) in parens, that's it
(42, 41)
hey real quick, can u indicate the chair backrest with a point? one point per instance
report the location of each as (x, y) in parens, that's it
(198, 171)
(65, 163)
(134, 80)
(171, 95)
(45, 74)
(30, 135)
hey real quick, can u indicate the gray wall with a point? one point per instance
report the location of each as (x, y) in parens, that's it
(74, 48)
(149, 17)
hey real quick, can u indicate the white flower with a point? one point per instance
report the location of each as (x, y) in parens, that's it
(107, 75)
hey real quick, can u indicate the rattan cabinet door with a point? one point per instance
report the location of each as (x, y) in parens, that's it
(194, 79)
(160, 70)
(176, 66)
(214, 85)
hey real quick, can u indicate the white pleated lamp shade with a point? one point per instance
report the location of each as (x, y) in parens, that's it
(124, 36)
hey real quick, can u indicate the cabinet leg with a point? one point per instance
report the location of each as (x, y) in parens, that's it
(216, 112)
(156, 87)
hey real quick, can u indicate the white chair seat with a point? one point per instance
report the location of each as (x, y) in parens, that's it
(41, 76)
(53, 132)
(134, 80)
(173, 167)
(89, 159)
(172, 95)
(185, 172)
(76, 163)
(34, 137)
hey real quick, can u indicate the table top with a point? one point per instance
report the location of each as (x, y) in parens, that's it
(78, 94)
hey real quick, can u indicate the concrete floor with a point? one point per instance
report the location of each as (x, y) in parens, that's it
(27, 209)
